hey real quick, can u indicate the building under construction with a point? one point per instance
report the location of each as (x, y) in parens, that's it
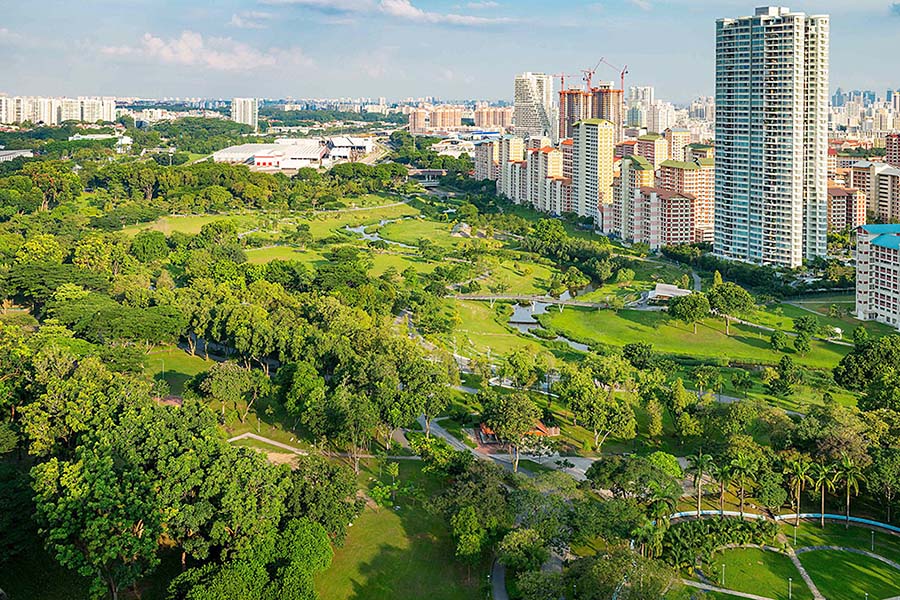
(594, 102)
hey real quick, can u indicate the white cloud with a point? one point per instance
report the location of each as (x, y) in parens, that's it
(218, 54)
(251, 19)
(328, 5)
(404, 9)
(642, 4)
(484, 4)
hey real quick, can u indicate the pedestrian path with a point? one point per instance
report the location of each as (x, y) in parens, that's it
(886, 561)
(712, 588)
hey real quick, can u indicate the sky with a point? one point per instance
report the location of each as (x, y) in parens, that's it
(450, 49)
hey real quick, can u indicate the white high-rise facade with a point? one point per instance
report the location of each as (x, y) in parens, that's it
(771, 137)
(246, 111)
(534, 105)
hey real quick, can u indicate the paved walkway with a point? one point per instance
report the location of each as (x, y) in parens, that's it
(302, 452)
(806, 578)
(712, 588)
(498, 581)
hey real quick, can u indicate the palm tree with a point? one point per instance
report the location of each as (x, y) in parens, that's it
(797, 471)
(724, 475)
(851, 475)
(699, 464)
(822, 477)
(742, 466)
(643, 533)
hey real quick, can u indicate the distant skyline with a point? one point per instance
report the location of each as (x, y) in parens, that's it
(398, 48)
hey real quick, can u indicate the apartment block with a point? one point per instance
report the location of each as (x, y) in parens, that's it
(533, 103)
(635, 172)
(500, 117)
(654, 148)
(771, 137)
(592, 166)
(846, 208)
(892, 145)
(677, 140)
(878, 273)
(696, 179)
(880, 184)
(246, 111)
(487, 160)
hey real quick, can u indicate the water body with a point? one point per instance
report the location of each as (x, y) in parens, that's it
(523, 318)
(376, 237)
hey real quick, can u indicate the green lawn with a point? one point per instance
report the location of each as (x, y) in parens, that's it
(326, 223)
(760, 572)
(836, 534)
(782, 316)
(521, 276)
(175, 366)
(410, 231)
(398, 554)
(673, 337)
(270, 253)
(193, 223)
(480, 332)
(846, 576)
(646, 275)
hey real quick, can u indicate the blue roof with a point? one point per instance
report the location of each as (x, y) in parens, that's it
(887, 241)
(881, 228)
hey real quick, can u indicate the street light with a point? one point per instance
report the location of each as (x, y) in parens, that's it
(873, 542)
(723, 574)
(790, 588)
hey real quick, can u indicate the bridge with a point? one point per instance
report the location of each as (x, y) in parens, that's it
(530, 299)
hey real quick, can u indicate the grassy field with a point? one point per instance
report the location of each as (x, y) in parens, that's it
(760, 572)
(175, 366)
(646, 275)
(673, 337)
(845, 576)
(522, 277)
(324, 224)
(270, 253)
(481, 332)
(835, 534)
(410, 231)
(193, 223)
(782, 316)
(401, 553)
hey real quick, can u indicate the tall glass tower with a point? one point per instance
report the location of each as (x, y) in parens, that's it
(772, 137)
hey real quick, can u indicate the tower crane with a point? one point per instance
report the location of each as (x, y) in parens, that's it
(562, 80)
(622, 72)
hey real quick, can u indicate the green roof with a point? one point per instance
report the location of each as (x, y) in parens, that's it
(650, 137)
(594, 122)
(678, 164)
(707, 162)
(700, 146)
(639, 162)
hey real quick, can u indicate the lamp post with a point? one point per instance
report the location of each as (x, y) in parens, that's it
(723, 574)
(790, 588)
(873, 542)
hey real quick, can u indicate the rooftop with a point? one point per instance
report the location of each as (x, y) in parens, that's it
(640, 163)
(893, 228)
(888, 240)
(678, 164)
(666, 194)
(650, 137)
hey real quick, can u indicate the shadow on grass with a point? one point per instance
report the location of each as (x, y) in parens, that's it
(403, 552)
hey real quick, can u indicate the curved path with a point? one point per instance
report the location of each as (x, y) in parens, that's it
(712, 588)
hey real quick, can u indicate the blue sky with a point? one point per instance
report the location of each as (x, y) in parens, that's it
(396, 48)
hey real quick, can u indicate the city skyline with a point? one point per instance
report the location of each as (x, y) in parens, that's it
(394, 48)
